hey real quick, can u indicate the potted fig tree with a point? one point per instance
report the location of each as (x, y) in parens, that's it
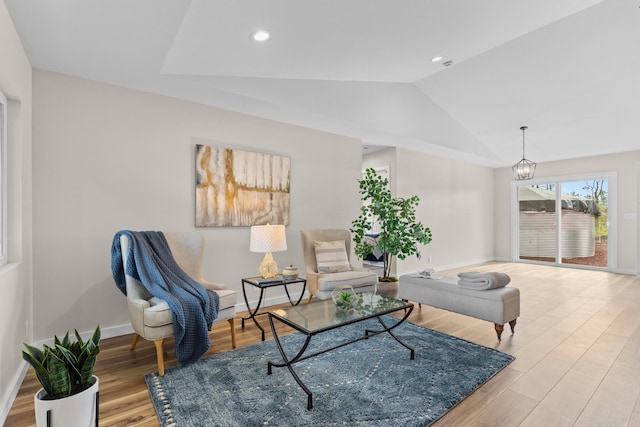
(69, 393)
(394, 217)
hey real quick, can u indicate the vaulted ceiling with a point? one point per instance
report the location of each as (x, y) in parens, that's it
(567, 69)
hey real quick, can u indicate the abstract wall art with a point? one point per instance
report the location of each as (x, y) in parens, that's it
(240, 188)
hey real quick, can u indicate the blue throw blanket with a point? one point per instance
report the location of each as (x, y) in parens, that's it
(194, 308)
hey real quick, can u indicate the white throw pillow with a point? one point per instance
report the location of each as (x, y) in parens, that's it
(331, 256)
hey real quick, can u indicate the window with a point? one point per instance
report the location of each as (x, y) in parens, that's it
(565, 221)
(3, 179)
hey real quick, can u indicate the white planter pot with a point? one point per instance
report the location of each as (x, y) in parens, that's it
(79, 410)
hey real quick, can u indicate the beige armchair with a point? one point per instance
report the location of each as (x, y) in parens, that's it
(320, 284)
(151, 317)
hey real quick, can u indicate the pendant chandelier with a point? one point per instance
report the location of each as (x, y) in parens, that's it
(524, 169)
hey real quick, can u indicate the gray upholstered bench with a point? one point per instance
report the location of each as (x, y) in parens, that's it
(499, 306)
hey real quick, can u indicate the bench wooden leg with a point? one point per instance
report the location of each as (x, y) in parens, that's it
(499, 329)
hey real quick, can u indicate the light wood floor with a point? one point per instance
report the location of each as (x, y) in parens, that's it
(577, 348)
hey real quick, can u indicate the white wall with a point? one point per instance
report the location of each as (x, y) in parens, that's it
(108, 158)
(623, 164)
(386, 157)
(15, 278)
(456, 203)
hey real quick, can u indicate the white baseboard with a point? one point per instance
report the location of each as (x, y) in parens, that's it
(116, 331)
(499, 259)
(464, 264)
(119, 330)
(109, 332)
(271, 301)
(455, 266)
(14, 388)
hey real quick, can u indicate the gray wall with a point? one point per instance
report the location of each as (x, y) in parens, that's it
(456, 203)
(468, 207)
(15, 277)
(108, 158)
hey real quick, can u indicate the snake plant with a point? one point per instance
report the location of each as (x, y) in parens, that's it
(67, 367)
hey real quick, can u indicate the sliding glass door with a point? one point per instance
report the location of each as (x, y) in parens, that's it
(584, 223)
(564, 221)
(538, 232)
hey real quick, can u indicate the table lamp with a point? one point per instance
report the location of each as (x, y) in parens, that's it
(267, 239)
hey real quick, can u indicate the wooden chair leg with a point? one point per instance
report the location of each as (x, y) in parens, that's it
(232, 323)
(136, 337)
(160, 356)
(310, 297)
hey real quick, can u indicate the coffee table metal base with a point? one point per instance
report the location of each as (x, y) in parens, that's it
(368, 333)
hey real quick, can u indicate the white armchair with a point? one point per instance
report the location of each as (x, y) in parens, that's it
(151, 317)
(320, 284)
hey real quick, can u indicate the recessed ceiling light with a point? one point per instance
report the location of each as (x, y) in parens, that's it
(436, 59)
(260, 36)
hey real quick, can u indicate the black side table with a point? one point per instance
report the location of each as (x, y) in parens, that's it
(263, 284)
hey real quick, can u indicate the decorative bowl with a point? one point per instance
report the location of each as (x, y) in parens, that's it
(290, 273)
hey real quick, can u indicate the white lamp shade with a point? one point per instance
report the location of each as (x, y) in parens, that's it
(268, 238)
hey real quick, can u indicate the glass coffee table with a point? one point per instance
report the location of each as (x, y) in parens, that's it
(317, 317)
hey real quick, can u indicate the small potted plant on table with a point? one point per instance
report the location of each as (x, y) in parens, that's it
(344, 297)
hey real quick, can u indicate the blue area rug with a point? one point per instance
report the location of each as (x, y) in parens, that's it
(370, 383)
